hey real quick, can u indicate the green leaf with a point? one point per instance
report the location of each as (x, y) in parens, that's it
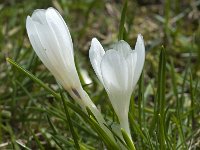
(31, 76)
(128, 140)
(161, 99)
(109, 142)
(51, 125)
(22, 145)
(137, 128)
(74, 135)
(37, 140)
(117, 137)
(122, 21)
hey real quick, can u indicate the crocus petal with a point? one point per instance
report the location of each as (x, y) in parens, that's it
(123, 48)
(35, 41)
(114, 71)
(59, 27)
(96, 53)
(131, 62)
(52, 42)
(39, 15)
(37, 44)
(63, 38)
(140, 50)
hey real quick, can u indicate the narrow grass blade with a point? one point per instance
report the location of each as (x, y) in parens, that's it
(141, 112)
(161, 99)
(122, 21)
(109, 143)
(149, 140)
(192, 101)
(136, 128)
(74, 135)
(12, 136)
(117, 137)
(27, 73)
(127, 139)
(141, 101)
(51, 125)
(59, 144)
(178, 104)
(37, 140)
(22, 145)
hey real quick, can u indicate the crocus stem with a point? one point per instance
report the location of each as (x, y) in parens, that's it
(84, 101)
(124, 123)
(123, 119)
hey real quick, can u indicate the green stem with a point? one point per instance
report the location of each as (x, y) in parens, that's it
(75, 137)
(128, 140)
(84, 101)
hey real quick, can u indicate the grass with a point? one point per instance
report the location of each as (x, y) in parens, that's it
(165, 106)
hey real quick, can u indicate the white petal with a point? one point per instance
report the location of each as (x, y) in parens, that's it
(39, 15)
(140, 50)
(37, 44)
(46, 35)
(96, 53)
(35, 41)
(49, 44)
(123, 47)
(62, 69)
(131, 61)
(63, 38)
(114, 70)
(59, 61)
(60, 29)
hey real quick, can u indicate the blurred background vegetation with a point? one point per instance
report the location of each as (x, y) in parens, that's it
(172, 23)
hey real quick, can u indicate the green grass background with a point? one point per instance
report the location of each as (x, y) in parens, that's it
(165, 107)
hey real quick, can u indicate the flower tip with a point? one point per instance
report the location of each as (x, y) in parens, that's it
(28, 18)
(121, 41)
(51, 10)
(140, 41)
(94, 40)
(140, 36)
(35, 11)
(140, 47)
(94, 43)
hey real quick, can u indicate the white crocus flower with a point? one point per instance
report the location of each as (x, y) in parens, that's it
(119, 70)
(51, 40)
